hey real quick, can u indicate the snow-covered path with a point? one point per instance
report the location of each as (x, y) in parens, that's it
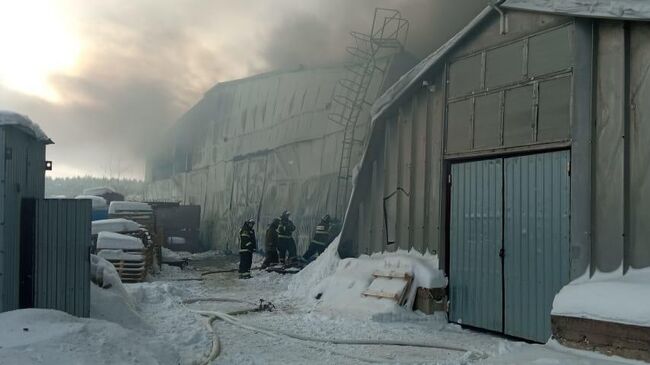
(157, 323)
(243, 346)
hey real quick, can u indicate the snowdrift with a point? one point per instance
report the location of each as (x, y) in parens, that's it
(335, 284)
(39, 336)
(605, 297)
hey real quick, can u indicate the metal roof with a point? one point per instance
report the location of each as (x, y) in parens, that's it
(613, 9)
(22, 122)
(414, 75)
(610, 9)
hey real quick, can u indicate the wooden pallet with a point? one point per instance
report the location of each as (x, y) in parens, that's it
(132, 271)
(399, 295)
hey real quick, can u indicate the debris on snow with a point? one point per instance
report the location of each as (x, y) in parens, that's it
(338, 285)
(613, 298)
(303, 283)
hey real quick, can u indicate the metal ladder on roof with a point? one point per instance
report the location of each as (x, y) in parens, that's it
(387, 35)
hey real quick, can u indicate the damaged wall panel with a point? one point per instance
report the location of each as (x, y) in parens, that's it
(257, 146)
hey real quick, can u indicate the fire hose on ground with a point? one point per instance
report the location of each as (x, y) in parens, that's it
(275, 333)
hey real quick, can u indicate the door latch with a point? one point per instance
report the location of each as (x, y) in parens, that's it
(502, 253)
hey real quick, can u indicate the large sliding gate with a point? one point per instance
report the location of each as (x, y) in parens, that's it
(509, 242)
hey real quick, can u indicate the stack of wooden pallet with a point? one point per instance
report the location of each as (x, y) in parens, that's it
(130, 266)
(393, 285)
(128, 254)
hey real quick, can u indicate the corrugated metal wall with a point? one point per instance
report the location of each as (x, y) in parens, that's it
(3, 244)
(261, 145)
(399, 206)
(536, 240)
(519, 205)
(409, 152)
(609, 181)
(56, 255)
(621, 154)
(476, 237)
(637, 251)
(24, 177)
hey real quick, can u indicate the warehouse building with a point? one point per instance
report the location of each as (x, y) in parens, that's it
(518, 152)
(254, 147)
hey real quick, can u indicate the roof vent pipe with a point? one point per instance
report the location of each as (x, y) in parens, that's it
(503, 25)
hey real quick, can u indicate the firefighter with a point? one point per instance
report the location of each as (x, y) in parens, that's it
(271, 244)
(286, 244)
(322, 239)
(248, 245)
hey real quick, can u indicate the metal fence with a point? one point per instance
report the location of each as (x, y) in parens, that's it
(54, 257)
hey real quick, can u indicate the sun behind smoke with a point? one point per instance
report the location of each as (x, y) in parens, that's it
(36, 42)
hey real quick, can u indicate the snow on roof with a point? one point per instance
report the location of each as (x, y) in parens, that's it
(117, 225)
(116, 241)
(613, 9)
(117, 207)
(97, 201)
(8, 118)
(617, 9)
(99, 190)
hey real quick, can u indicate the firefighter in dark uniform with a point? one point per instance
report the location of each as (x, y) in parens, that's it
(248, 245)
(322, 239)
(271, 244)
(286, 244)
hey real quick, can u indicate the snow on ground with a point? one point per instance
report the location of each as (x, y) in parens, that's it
(337, 285)
(615, 298)
(181, 255)
(154, 310)
(551, 354)
(150, 324)
(37, 336)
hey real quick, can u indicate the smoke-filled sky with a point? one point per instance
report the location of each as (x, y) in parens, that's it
(104, 78)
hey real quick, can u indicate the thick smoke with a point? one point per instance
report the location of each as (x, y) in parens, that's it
(144, 63)
(319, 34)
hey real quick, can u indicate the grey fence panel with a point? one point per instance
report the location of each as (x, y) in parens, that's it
(475, 241)
(3, 243)
(56, 262)
(536, 241)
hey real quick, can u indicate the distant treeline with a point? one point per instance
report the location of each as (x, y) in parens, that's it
(73, 186)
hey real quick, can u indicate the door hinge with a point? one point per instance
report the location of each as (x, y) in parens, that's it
(568, 168)
(449, 179)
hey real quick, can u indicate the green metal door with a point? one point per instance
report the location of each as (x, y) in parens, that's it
(509, 242)
(475, 241)
(536, 241)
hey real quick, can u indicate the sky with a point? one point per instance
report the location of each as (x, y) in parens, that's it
(105, 78)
